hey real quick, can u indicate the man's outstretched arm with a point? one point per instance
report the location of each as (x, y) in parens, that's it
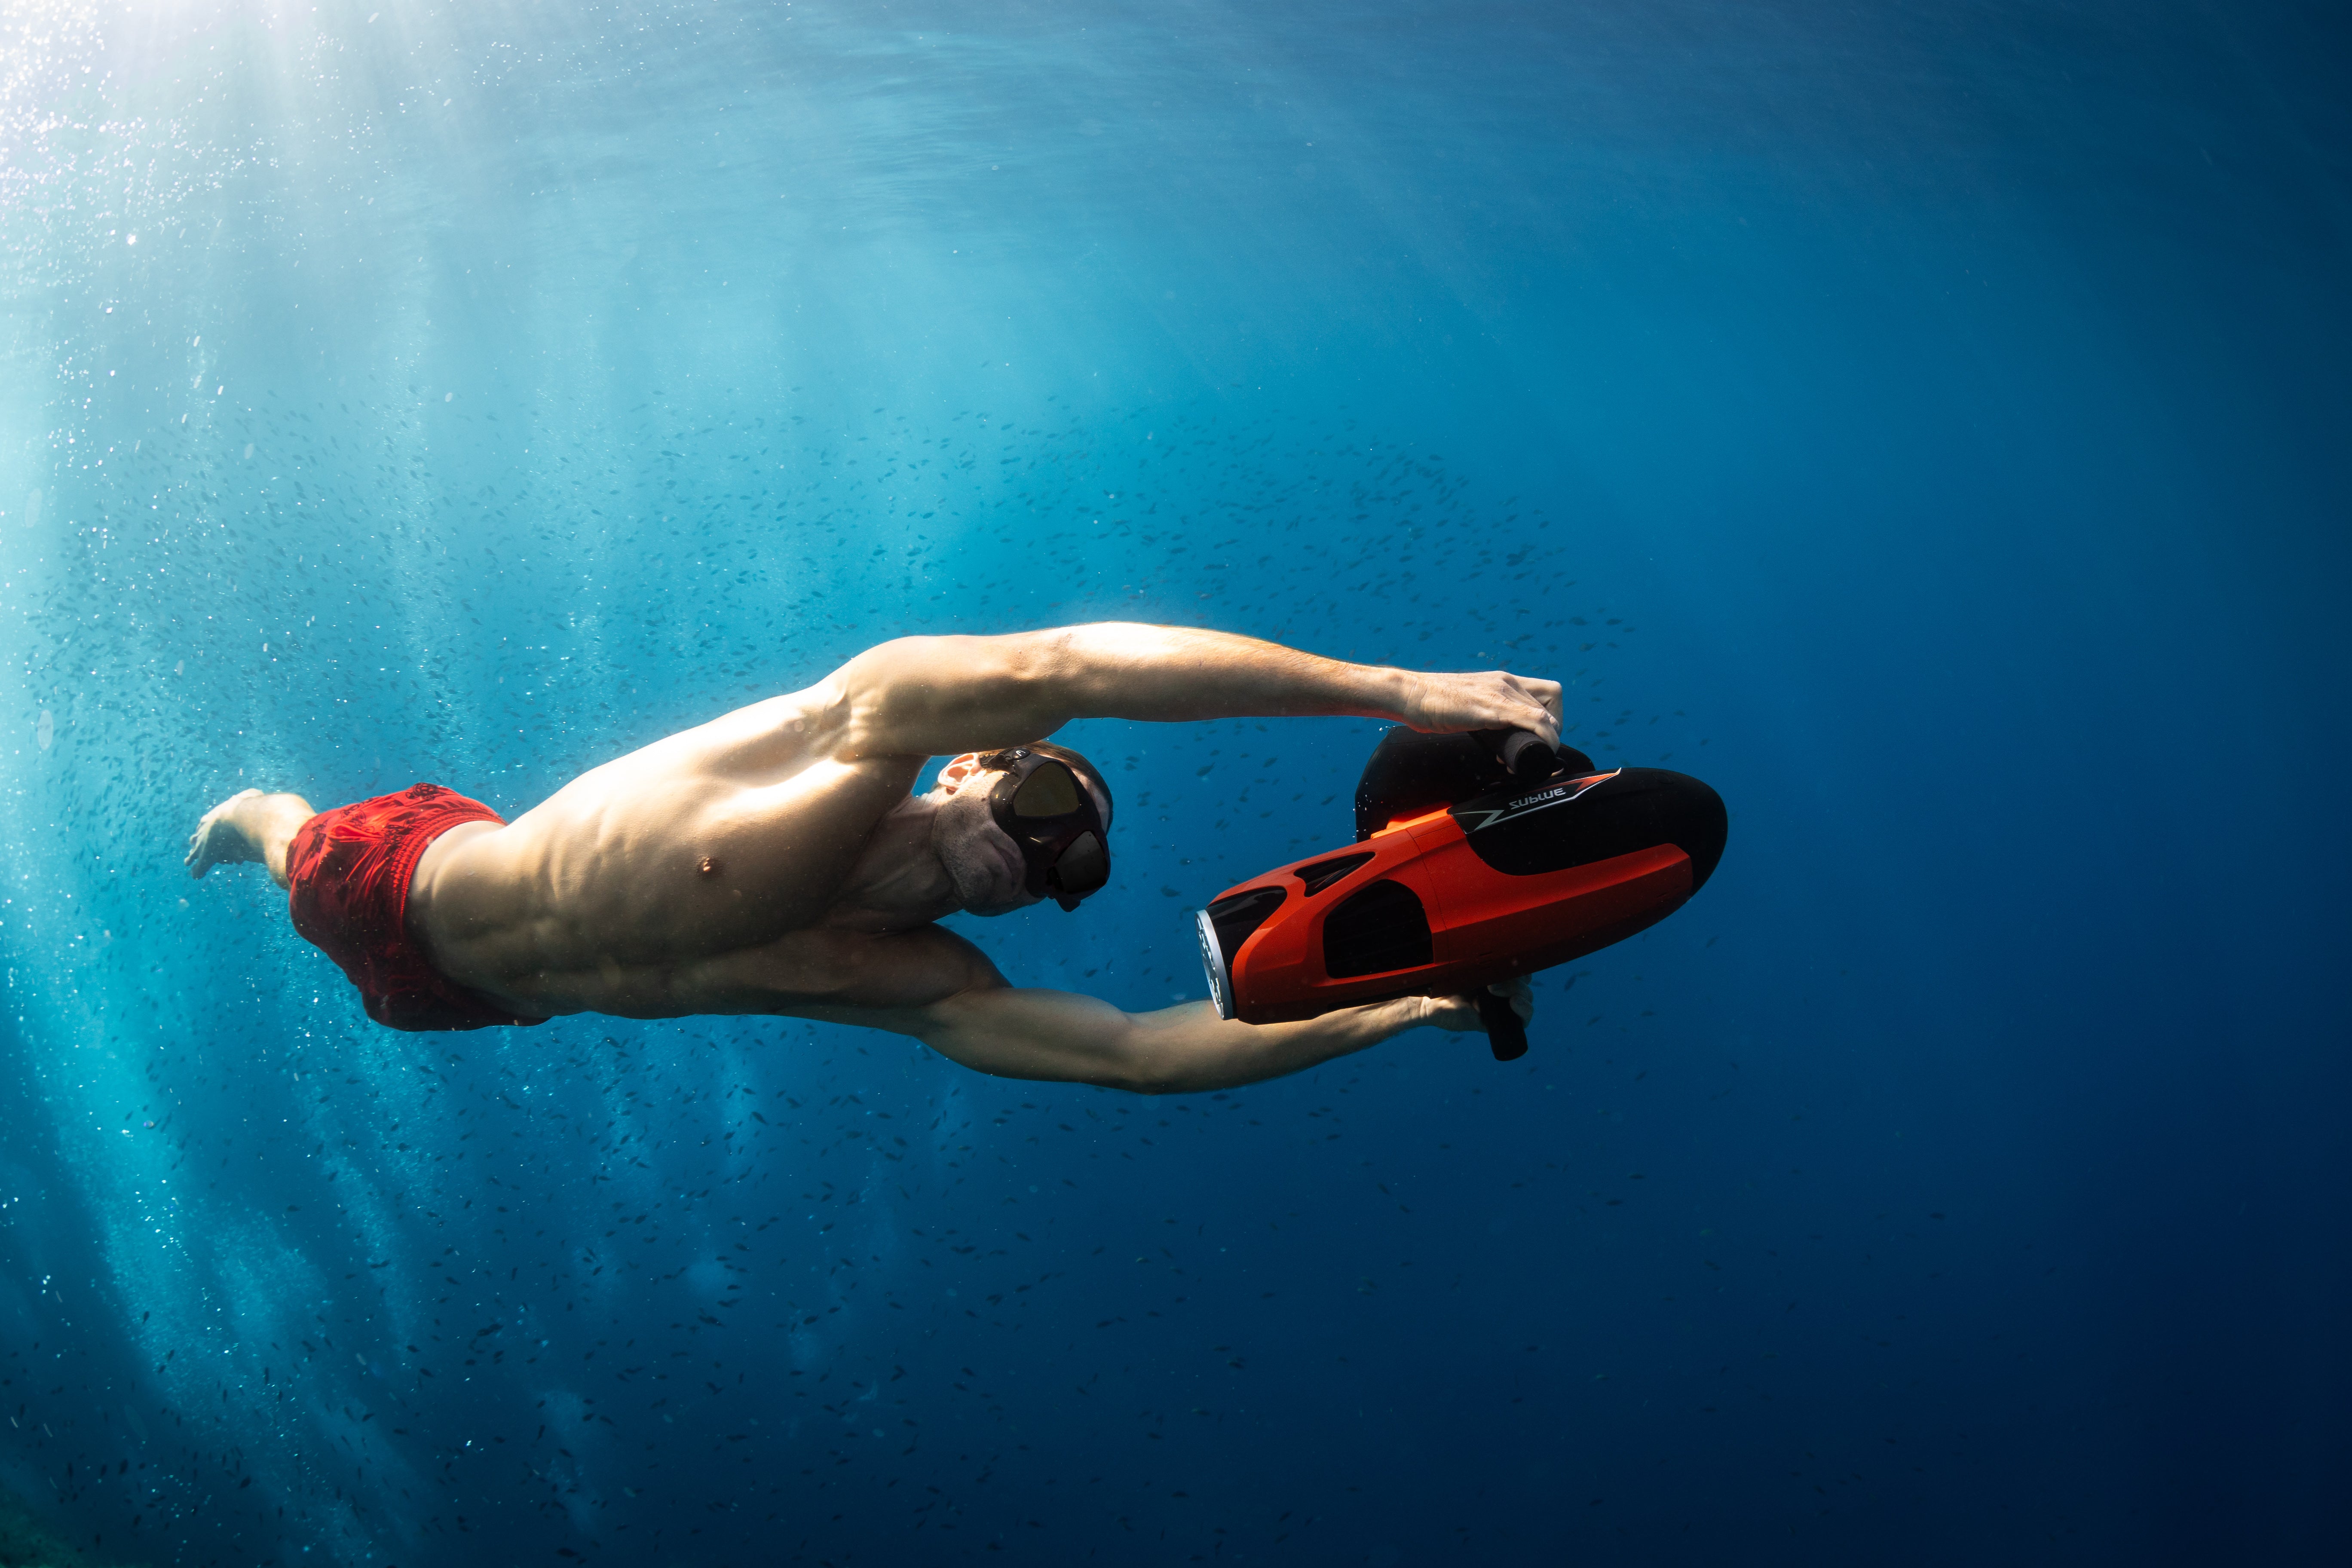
(1060, 1036)
(944, 696)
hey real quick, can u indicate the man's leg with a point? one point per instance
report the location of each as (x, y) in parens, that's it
(248, 825)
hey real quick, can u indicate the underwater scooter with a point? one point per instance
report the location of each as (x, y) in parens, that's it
(1481, 857)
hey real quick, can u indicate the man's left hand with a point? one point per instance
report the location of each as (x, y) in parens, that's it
(1460, 1013)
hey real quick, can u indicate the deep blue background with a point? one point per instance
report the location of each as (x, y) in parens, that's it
(1926, 423)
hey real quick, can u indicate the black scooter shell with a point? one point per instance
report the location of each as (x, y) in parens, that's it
(1410, 774)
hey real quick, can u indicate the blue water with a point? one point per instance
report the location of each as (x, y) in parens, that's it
(1926, 424)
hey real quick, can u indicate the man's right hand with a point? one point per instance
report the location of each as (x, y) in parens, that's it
(1444, 704)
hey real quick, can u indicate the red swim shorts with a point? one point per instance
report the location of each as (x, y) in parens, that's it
(348, 872)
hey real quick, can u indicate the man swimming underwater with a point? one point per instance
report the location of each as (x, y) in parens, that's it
(773, 861)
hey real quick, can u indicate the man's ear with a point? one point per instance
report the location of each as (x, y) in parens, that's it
(954, 776)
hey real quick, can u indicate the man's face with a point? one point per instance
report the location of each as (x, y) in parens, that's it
(980, 859)
(989, 875)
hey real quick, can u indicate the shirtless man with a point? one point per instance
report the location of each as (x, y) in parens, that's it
(774, 860)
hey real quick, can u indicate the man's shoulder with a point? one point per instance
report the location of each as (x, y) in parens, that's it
(777, 739)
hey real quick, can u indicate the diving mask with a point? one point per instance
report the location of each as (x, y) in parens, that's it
(1044, 806)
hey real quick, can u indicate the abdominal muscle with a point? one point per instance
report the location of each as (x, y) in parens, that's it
(817, 971)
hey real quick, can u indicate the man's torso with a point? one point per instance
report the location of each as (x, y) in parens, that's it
(694, 876)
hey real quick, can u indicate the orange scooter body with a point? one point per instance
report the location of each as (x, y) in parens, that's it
(1457, 898)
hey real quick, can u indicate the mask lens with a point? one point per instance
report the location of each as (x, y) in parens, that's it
(1050, 791)
(1084, 866)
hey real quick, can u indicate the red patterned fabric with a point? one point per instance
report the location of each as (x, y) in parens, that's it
(348, 872)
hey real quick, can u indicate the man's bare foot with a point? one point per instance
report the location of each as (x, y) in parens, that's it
(248, 825)
(222, 839)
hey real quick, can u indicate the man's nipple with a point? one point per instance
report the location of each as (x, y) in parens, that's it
(709, 867)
